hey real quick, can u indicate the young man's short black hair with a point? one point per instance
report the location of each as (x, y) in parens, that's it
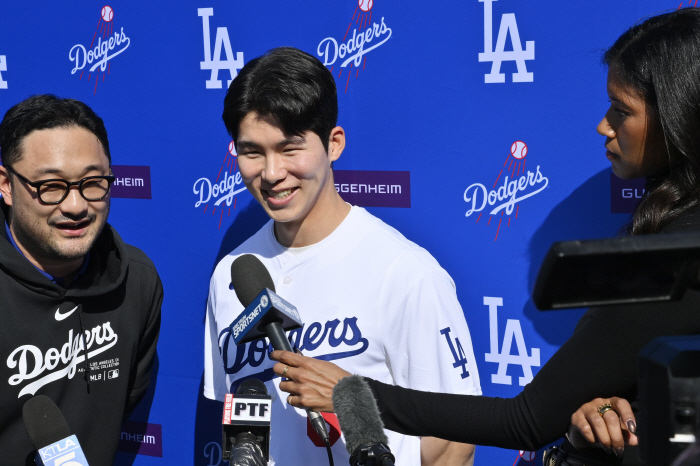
(45, 112)
(291, 86)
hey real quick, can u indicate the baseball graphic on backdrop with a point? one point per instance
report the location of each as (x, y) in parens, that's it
(365, 5)
(518, 150)
(527, 455)
(232, 148)
(107, 13)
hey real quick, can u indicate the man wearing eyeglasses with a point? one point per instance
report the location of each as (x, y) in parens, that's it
(69, 286)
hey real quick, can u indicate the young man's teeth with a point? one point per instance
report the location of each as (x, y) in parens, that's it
(283, 194)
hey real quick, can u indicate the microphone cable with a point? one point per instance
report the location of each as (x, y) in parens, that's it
(330, 453)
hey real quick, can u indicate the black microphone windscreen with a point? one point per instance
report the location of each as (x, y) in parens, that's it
(251, 387)
(44, 422)
(249, 277)
(357, 413)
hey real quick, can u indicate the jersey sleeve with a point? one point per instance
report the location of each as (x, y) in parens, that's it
(214, 373)
(430, 346)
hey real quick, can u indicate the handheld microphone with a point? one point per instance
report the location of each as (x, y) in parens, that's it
(246, 424)
(265, 314)
(50, 435)
(361, 424)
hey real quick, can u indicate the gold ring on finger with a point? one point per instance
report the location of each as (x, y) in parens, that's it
(602, 409)
(284, 371)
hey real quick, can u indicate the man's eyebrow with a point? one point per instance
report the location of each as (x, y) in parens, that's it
(57, 171)
(292, 140)
(247, 145)
(49, 171)
(286, 141)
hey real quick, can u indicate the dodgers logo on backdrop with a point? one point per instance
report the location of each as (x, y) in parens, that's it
(516, 186)
(498, 55)
(366, 36)
(513, 332)
(3, 67)
(221, 43)
(223, 189)
(107, 42)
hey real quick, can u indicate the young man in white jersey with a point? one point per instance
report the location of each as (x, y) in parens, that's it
(371, 301)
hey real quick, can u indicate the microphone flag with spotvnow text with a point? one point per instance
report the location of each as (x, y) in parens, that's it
(266, 308)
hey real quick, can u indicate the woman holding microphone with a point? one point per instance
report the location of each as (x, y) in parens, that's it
(651, 130)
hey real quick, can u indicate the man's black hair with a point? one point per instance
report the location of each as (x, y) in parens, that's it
(45, 112)
(292, 87)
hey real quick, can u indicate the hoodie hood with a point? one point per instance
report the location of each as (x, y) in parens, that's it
(105, 272)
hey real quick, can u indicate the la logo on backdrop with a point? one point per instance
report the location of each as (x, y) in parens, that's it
(222, 43)
(515, 184)
(366, 36)
(496, 56)
(514, 352)
(107, 42)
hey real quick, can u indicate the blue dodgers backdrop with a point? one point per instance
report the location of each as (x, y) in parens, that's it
(470, 126)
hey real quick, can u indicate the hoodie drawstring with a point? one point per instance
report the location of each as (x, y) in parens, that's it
(82, 333)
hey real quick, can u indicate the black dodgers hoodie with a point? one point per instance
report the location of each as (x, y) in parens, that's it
(42, 350)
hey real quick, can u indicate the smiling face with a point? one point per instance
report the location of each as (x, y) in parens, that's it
(634, 139)
(56, 238)
(291, 177)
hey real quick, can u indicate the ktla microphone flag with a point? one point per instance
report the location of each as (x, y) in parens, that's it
(470, 129)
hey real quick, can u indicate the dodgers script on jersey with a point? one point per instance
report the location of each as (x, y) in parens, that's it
(371, 301)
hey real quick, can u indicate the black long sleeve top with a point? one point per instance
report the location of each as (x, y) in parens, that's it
(599, 360)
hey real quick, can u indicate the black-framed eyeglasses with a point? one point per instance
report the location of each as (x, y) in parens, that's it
(54, 191)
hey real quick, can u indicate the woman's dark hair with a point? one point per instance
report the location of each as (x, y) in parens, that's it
(660, 59)
(291, 86)
(45, 112)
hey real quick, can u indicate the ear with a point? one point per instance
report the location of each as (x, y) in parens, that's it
(5, 185)
(336, 143)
